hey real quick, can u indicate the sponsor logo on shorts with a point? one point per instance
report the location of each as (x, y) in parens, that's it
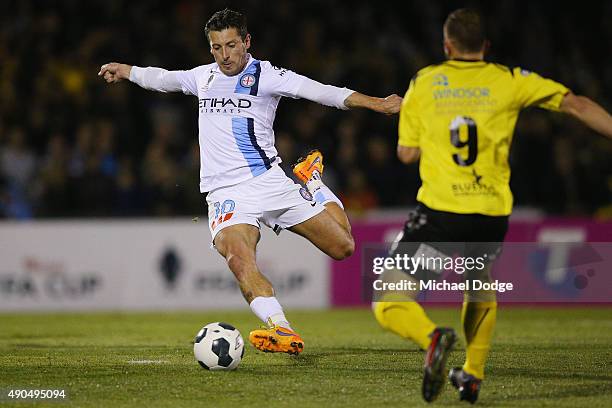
(305, 194)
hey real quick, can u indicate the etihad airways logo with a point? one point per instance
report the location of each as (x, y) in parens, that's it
(223, 105)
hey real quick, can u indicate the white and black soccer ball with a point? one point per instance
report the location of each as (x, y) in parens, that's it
(218, 346)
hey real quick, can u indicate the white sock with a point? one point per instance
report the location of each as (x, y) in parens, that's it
(315, 181)
(269, 311)
(321, 193)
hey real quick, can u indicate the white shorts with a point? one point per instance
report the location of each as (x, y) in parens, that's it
(271, 198)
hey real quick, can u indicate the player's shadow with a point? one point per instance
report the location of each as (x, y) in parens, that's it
(549, 393)
(28, 345)
(331, 354)
(339, 359)
(549, 373)
(588, 385)
(367, 350)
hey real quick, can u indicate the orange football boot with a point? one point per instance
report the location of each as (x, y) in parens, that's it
(304, 167)
(277, 339)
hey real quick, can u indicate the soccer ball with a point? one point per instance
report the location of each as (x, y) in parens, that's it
(218, 346)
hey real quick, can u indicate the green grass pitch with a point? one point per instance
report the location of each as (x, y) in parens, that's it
(557, 357)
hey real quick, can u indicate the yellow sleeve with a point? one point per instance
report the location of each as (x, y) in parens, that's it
(410, 127)
(533, 90)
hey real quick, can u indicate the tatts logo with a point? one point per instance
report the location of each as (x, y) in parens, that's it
(223, 212)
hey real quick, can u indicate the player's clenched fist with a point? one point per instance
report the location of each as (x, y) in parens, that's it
(392, 104)
(115, 72)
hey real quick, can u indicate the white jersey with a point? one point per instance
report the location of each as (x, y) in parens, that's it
(236, 113)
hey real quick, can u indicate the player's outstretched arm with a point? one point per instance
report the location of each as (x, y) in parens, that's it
(588, 112)
(389, 105)
(152, 78)
(114, 72)
(342, 98)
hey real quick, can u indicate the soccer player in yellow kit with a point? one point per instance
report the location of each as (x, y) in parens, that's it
(458, 118)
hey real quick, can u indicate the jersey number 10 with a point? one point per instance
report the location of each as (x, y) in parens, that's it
(471, 142)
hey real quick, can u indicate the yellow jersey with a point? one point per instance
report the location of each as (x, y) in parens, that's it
(461, 114)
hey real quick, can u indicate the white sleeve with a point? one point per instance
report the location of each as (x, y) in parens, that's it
(287, 83)
(159, 79)
(327, 95)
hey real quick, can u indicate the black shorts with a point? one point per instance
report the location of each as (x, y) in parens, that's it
(470, 234)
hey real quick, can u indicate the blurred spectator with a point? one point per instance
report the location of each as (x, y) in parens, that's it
(17, 167)
(287, 150)
(358, 196)
(53, 179)
(81, 150)
(381, 170)
(191, 201)
(104, 149)
(159, 173)
(127, 193)
(17, 161)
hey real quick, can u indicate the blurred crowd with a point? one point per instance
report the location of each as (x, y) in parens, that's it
(70, 145)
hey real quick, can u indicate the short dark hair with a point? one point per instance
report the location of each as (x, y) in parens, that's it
(227, 18)
(465, 29)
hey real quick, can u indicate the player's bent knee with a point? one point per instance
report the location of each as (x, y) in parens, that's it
(349, 248)
(343, 249)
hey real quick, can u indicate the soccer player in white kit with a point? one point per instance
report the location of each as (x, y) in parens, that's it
(238, 96)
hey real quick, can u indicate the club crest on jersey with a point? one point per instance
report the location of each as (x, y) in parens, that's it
(247, 80)
(306, 194)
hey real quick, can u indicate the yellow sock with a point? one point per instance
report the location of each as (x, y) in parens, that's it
(478, 320)
(407, 319)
